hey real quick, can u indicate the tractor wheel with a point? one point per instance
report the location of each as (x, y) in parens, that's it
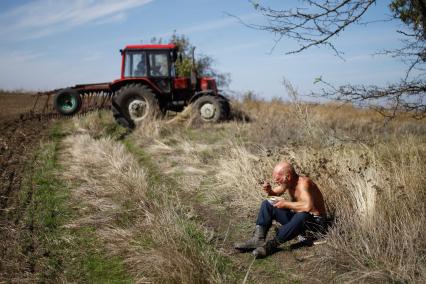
(211, 109)
(134, 104)
(67, 102)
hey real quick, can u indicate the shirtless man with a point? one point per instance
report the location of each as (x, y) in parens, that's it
(305, 210)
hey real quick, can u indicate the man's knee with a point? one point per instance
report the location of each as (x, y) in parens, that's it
(266, 214)
(265, 203)
(266, 206)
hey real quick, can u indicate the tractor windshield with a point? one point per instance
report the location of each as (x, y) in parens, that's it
(135, 64)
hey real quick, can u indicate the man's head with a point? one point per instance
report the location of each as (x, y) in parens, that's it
(284, 174)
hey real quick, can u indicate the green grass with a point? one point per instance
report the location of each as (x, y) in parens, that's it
(111, 128)
(100, 124)
(57, 253)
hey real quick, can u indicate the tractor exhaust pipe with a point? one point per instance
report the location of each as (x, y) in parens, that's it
(193, 70)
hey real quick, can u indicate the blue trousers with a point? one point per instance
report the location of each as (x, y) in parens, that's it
(293, 224)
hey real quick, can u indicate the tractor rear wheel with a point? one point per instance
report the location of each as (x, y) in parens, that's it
(67, 102)
(134, 104)
(211, 108)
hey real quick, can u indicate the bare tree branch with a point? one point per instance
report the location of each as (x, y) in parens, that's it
(315, 23)
(408, 97)
(318, 22)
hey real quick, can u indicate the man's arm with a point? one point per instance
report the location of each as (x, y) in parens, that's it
(304, 204)
(276, 191)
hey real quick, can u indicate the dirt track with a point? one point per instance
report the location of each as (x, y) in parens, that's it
(17, 142)
(18, 139)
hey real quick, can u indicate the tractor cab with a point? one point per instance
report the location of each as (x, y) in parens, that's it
(148, 60)
(153, 62)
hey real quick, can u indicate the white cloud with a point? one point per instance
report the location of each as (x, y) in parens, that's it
(45, 17)
(120, 17)
(211, 25)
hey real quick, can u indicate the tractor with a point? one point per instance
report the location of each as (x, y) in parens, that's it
(148, 87)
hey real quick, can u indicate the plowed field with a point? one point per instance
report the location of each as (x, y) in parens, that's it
(18, 138)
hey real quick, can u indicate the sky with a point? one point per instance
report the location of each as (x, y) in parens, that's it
(49, 44)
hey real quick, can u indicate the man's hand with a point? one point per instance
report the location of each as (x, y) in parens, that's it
(280, 204)
(267, 187)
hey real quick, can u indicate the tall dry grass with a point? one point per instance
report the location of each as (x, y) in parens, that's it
(372, 174)
(312, 124)
(138, 218)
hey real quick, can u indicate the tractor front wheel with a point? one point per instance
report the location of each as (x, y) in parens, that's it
(134, 104)
(211, 108)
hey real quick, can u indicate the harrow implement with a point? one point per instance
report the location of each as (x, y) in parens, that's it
(74, 101)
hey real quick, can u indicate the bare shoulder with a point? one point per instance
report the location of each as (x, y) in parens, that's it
(306, 184)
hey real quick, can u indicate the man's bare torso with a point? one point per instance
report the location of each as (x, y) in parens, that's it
(313, 195)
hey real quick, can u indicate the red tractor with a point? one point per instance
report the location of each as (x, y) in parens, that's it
(148, 87)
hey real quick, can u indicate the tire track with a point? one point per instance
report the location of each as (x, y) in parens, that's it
(18, 141)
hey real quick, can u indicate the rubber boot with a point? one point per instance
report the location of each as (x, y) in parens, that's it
(257, 240)
(267, 248)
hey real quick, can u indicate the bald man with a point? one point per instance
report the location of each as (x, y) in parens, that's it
(305, 211)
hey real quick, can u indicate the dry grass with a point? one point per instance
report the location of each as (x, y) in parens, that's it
(138, 218)
(296, 123)
(371, 173)
(243, 172)
(372, 176)
(108, 175)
